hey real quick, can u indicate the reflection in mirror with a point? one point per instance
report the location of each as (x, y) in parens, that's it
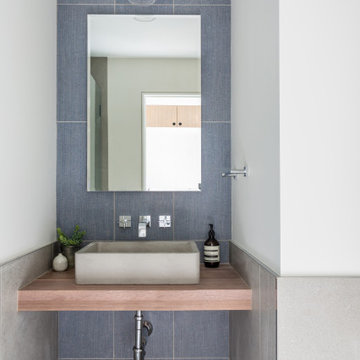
(144, 103)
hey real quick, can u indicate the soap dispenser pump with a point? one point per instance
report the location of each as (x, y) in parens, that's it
(211, 250)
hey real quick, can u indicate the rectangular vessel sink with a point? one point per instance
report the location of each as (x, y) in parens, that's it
(138, 262)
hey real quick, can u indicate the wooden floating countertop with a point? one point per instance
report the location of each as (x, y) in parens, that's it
(219, 289)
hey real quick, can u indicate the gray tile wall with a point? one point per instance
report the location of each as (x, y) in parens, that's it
(176, 335)
(191, 211)
(25, 335)
(253, 333)
(109, 335)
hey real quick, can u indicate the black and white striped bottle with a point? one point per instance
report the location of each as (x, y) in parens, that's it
(211, 250)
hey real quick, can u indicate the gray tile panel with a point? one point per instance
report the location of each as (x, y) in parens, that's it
(212, 205)
(144, 2)
(86, 334)
(201, 334)
(253, 333)
(194, 211)
(215, 60)
(268, 312)
(26, 335)
(160, 343)
(191, 212)
(216, 148)
(202, 2)
(144, 10)
(72, 60)
(94, 211)
(245, 325)
(85, 2)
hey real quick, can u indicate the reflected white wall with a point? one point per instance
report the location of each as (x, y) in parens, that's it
(173, 159)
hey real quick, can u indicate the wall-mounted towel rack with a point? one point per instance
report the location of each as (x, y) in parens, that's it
(234, 172)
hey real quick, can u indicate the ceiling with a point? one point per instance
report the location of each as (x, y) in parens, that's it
(149, 36)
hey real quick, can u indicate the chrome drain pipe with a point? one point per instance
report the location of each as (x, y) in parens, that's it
(143, 330)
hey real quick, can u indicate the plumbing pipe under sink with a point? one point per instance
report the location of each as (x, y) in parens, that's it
(143, 330)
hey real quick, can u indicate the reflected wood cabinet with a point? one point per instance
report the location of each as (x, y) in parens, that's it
(173, 116)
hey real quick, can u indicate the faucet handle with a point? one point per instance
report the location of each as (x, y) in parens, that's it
(145, 219)
(125, 221)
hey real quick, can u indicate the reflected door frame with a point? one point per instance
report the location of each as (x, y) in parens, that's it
(144, 97)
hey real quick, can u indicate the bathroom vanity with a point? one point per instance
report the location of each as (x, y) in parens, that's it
(219, 289)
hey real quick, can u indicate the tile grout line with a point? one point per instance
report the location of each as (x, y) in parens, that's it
(114, 217)
(173, 337)
(196, 5)
(84, 122)
(133, 5)
(157, 358)
(57, 335)
(216, 122)
(259, 270)
(113, 334)
(173, 215)
(229, 328)
(86, 4)
(71, 122)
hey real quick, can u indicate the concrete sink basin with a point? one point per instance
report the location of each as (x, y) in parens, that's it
(138, 262)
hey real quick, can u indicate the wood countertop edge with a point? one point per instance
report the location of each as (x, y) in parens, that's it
(68, 298)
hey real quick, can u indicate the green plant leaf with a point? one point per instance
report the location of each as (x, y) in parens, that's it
(76, 238)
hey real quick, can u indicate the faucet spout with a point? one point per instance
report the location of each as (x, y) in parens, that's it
(142, 230)
(144, 222)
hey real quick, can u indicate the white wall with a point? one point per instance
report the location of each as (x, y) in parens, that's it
(127, 79)
(319, 82)
(28, 127)
(255, 129)
(320, 137)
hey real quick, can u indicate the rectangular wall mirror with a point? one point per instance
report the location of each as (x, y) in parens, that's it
(144, 103)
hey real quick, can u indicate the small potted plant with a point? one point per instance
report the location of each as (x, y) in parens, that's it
(71, 244)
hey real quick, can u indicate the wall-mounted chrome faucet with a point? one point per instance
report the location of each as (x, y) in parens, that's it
(144, 222)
